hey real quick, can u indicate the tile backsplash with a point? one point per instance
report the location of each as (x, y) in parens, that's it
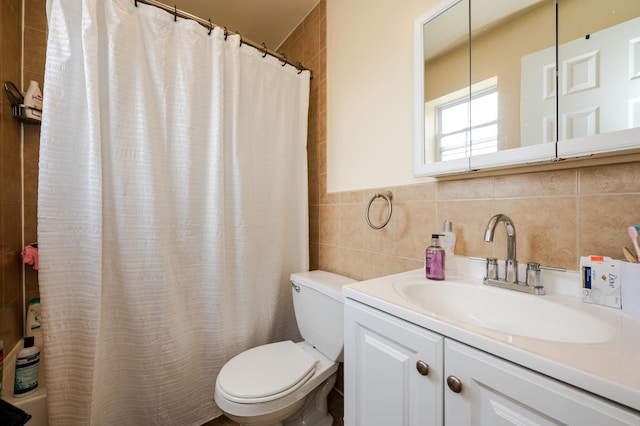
(558, 215)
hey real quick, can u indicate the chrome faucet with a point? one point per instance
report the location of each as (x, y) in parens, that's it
(510, 264)
(532, 284)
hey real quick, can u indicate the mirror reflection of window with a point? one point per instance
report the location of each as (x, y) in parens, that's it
(456, 135)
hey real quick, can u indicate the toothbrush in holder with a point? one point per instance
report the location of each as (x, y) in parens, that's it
(633, 234)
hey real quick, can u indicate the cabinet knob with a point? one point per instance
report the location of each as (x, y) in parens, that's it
(422, 367)
(454, 384)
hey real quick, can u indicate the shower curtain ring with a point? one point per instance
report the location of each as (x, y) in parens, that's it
(226, 33)
(210, 26)
(239, 35)
(175, 13)
(264, 50)
(284, 62)
(135, 2)
(300, 67)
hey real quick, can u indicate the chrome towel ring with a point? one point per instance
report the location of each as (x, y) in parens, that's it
(387, 196)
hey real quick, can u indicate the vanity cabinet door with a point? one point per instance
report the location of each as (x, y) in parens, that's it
(497, 392)
(393, 370)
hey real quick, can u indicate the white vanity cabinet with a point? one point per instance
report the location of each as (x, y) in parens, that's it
(393, 370)
(383, 386)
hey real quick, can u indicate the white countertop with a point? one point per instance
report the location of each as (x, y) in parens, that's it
(610, 369)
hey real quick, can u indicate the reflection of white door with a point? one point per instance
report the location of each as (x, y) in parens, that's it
(599, 79)
(538, 97)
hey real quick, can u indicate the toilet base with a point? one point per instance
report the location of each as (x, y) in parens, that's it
(315, 411)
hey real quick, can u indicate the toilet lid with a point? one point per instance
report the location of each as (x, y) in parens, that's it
(266, 372)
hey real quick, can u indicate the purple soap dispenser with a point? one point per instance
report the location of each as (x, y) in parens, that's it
(434, 260)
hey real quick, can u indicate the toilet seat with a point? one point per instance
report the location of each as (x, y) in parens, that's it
(265, 373)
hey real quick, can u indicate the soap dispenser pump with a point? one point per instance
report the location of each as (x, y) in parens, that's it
(435, 260)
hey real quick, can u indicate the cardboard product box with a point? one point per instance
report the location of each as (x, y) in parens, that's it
(601, 281)
(630, 289)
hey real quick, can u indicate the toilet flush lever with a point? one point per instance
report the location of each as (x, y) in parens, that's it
(295, 287)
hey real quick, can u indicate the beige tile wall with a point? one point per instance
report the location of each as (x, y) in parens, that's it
(10, 179)
(16, 156)
(559, 214)
(35, 48)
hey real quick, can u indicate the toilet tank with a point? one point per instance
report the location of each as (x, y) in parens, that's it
(318, 305)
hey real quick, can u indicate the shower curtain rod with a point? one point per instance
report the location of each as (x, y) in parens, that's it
(210, 26)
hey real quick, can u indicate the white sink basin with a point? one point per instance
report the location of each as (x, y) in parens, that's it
(505, 311)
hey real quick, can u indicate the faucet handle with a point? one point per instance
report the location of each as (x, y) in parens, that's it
(492, 268)
(511, 271)
(533, 274)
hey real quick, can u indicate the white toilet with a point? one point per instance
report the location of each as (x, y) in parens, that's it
(287, 383)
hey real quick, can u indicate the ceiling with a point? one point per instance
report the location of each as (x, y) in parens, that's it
(261, 21)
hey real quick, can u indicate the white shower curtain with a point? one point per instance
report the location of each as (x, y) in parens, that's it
(172, 210)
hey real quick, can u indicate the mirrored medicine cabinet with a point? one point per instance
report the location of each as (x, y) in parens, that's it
(503, 83)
